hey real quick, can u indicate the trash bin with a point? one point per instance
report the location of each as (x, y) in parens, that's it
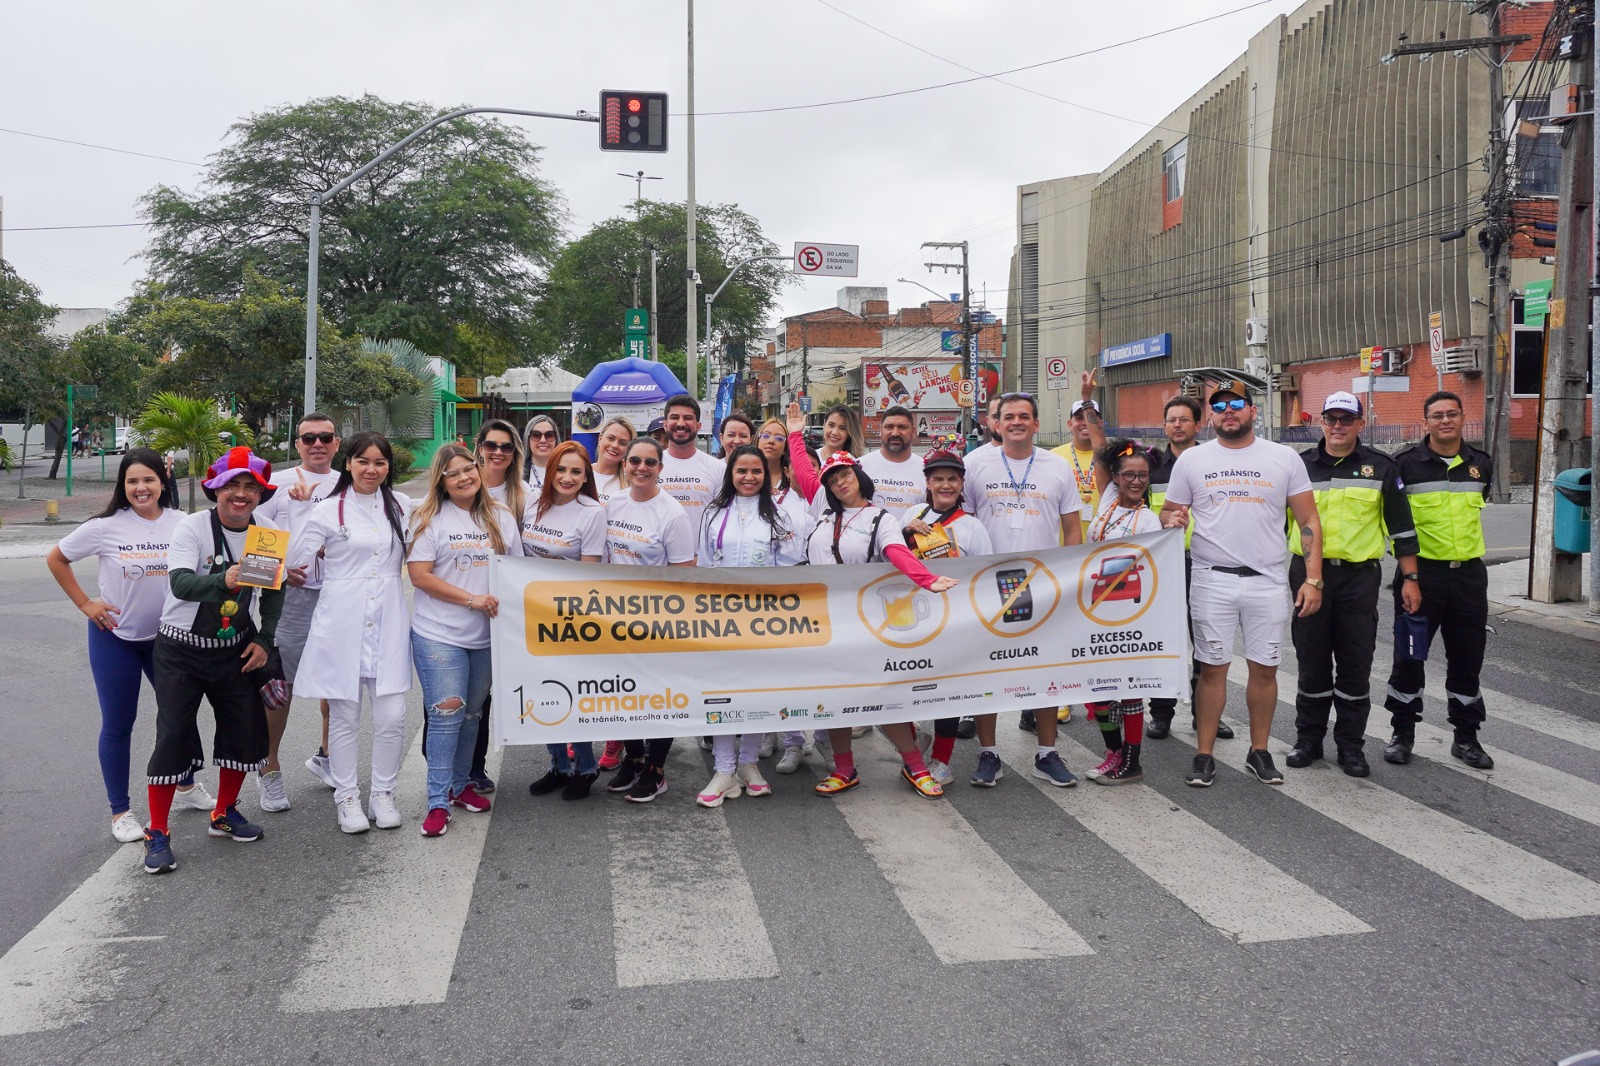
(1572, 511)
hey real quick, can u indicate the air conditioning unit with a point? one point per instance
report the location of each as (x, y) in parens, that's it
(1255, 332)
(1463, 360)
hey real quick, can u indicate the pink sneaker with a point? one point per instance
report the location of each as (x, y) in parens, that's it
(435, 824)
(1113, 760)
(611, 758)
(469, 800)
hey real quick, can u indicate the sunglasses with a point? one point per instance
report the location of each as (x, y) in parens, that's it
(1220, 406)
(542, 434)
(1345, 419)
(496, 446)
(639, 460)
(317, 438)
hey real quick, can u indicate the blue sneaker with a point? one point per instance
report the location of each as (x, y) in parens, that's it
(1050, 768)
(988, 771)
(481, 783)
(158, 857)
(230, 823)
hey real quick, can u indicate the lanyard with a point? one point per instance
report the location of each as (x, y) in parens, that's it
(1085, 478)
(1011, 478)
(1126, 522)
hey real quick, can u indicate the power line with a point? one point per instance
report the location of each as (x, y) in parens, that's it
(100, 147)
(49, 229)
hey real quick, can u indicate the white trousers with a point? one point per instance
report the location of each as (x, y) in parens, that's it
(344, 740)
(729, 751)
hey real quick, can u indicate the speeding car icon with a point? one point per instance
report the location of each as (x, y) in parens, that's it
(1118, 579)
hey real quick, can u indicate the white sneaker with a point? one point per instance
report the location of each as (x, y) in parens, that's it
(754, 784)
(385, 814)
(824, 749)
(127, 828)
(273, 796)
(721, 786)
(940, 771)
(351, 820)
(856, 733)
(769, 745)
(318, 765)
(196, 799)
(791, 760)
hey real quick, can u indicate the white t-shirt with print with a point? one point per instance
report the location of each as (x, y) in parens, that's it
(133, 565)
(1040, 490)
(609, 485)
(568, 530)
(692, 481)
(896, 487)
(290, 514)
(191, 548)
(856, 542)
(459, 551)
(1237, 498)
(655, 532)
(1112, 521)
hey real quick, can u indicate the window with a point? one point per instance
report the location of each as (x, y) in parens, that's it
(1535, 161)
(1172, 170)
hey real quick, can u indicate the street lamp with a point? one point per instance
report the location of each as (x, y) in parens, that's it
(711, 298)
(920, 285)
(318, 199)
(638, 198)
(638, 179)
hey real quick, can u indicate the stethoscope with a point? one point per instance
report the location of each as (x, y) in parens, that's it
(344, 530)
(758, 555)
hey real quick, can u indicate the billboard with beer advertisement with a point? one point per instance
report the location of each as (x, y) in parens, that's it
(920, 384)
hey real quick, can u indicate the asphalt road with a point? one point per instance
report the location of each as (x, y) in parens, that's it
(1429, 915)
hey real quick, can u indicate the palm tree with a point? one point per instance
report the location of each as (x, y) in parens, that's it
(185, 423)
(404, 416)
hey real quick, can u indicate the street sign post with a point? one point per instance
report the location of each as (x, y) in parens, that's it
(833, 260)
(1055, 374)
(1436, 343)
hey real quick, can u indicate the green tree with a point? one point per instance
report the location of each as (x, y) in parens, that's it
(32, 379)
(249, 351)
(406, 414)
(591, 282)
(192, 424)
(448, 233)
(115, 365)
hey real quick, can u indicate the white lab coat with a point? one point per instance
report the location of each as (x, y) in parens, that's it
(362, 627)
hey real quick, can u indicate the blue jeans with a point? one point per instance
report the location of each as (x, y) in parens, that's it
(116, 665)
(582, 755)
(459, 678)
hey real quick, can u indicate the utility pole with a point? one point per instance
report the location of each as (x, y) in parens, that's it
(691, 343)
(638, 223)
(968, 358)
(1594, 337)
(655, 335)
(1557, 577)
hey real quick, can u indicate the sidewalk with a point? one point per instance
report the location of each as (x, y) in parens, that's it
(1508, 599)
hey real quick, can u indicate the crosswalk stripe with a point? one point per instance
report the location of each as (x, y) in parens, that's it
(1227, 885)
(63, 967)
(390, 937)
(1532, 780)
(680, 896)
(963, 897)
(1502, 873)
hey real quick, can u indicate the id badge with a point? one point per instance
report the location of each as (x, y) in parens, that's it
(1017, 518)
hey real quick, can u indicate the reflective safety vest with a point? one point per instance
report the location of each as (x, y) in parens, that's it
(1447, 495)
(1161, 464)
(1361, 502)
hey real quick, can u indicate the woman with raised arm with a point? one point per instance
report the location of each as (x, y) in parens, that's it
(744, 526)
(646, 527)
(841, 433)
(454, 531)
(853, 530)
(360, 639)
(567, 521)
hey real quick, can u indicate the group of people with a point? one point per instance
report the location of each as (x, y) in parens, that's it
(172, 604)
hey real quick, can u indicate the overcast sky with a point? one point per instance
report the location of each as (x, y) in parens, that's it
(167, 79)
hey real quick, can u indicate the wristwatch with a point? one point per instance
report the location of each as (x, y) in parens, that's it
(1410, 577)
(1315, 582)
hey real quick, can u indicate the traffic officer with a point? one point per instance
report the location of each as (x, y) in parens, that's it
(1447, 482)
(1180, 421)
(1360, 497)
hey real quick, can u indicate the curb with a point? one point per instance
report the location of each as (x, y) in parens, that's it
(1583, 626)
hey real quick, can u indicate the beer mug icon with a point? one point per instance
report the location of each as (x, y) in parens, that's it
(903, 608)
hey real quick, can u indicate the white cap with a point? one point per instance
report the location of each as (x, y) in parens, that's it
(1343, 401)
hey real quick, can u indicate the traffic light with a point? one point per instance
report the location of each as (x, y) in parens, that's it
(633, 122)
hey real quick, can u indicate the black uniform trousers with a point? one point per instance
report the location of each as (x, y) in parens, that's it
(1163, 709)
(1335, 648)
(1455, 600)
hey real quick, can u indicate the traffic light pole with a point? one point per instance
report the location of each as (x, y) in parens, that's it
(711, 298)
(313, 242)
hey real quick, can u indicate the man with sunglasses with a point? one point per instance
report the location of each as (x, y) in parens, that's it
(1236, 489)
(1447, 483)
(317, 441)
(1361, 501)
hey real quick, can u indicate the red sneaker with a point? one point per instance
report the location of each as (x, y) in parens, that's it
(611, 758)
(469, 800)
(435, 824)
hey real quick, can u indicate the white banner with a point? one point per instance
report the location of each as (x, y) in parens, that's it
(590, 652)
